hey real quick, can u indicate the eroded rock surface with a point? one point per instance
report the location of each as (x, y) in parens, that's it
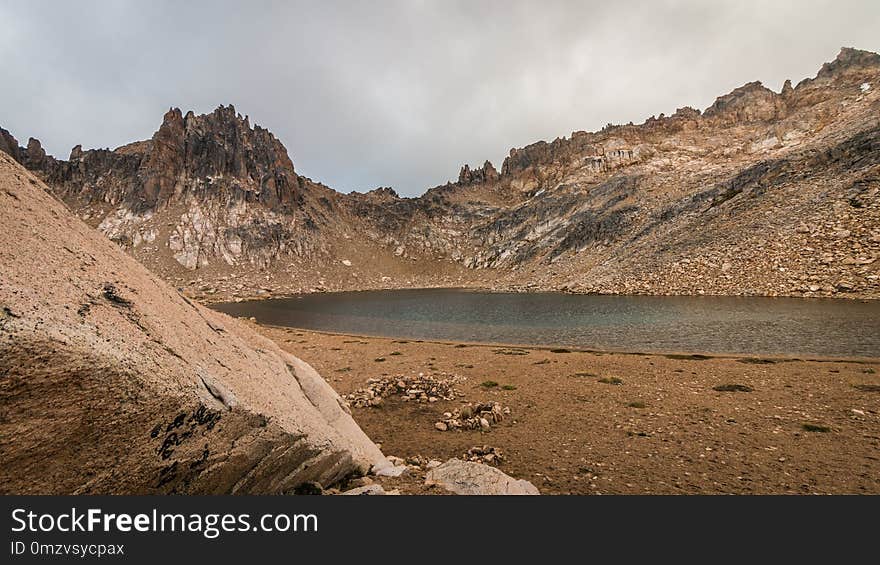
(466, 477)
(111, 381)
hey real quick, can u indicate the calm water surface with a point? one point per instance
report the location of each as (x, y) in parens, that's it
(743, 325)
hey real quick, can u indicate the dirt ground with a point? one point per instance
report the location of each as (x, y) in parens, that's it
(655, 425)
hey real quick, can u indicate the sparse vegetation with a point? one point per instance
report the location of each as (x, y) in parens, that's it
(379, 359)
(395, 353)
(732, 388)
(867, 388)
(637, 404)
(508, 387)
(756, 361)
(560, 350)
(489, 384)
(511, 352)
(611, 381)
(816, 428)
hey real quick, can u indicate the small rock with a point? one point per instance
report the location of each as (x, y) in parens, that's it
(441, 426)
(465, 477)
(366, 490)
(360, 482)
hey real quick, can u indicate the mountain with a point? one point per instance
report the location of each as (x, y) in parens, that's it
(764, 192)
(111, 381)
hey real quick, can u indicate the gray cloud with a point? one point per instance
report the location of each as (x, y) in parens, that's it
(365, 94)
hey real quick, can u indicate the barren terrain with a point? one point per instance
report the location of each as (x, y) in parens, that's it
(592, 422)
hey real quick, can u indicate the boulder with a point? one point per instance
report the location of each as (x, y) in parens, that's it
(116, 383)
(465, 477)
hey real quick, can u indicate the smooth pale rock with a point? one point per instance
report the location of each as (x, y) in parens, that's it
(181, 399)
(387, 467)
(465, 477)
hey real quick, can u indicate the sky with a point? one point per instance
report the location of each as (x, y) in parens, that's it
(400, 94)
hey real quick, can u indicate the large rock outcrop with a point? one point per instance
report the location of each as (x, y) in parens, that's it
(111, 381)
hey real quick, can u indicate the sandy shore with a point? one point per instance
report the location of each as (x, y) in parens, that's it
(592, 422)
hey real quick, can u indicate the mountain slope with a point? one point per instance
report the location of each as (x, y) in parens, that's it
(113, 382)
(762, 193)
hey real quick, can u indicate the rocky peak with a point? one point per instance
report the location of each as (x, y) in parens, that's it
(9, 145)
(383, 193)
(485, 174)
(218, 148)
(219, 154)
(850, 60)
(748, 103)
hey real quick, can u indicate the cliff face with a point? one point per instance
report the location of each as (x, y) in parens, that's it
(203, 189)
(139, 390)
(712, 201)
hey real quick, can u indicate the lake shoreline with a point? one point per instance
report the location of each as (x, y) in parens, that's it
(221, 298)
(682, 355)
(604, 422)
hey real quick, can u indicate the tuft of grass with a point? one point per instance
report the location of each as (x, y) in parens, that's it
(693, 357)
(511, 352)
(379, 359)
(508, 387)
(756, 361)
(560, 350)
(343, 369)
(585, 374)
(867, 388)
(395, 353)
(732, 388)
(611, 381)
(816, 428)
(869, 371)
(489, 384)
(637, 404)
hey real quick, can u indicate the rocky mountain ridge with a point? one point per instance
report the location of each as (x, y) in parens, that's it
(761, 193)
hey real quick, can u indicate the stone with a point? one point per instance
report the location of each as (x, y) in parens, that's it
(390, 467)
(360, 482)
(468, 478)
(193, 410)
(441, 426)
(366, 490)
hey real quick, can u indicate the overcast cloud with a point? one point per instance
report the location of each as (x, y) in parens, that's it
(401, 94)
